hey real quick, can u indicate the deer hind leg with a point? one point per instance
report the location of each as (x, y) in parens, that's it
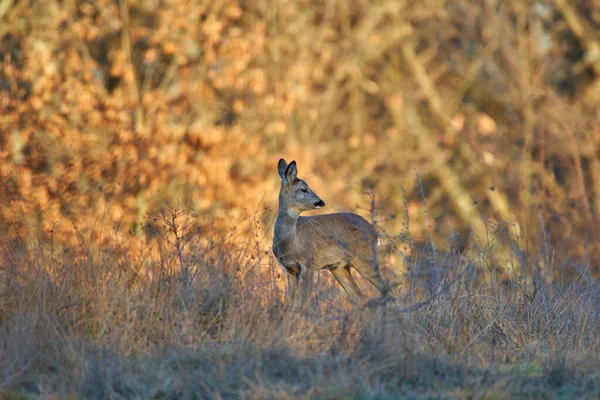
(370, 271)
(344, 278)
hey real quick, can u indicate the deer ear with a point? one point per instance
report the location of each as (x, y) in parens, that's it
(281, 167)
(291, 172)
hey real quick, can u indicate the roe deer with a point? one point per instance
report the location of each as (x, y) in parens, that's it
(335, 242)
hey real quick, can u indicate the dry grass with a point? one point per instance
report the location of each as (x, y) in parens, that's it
(75, 324)
(110, 109)
(113, 107)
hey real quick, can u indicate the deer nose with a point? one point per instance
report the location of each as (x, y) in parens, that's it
(319, 204)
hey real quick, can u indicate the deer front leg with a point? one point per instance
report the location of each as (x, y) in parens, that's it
(307, 283)
(292, 295)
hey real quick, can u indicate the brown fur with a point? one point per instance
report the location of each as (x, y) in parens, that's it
(335, 242)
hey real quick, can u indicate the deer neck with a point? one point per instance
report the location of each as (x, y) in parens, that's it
(285, 225)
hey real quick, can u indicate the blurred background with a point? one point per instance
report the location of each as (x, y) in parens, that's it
(460, 118)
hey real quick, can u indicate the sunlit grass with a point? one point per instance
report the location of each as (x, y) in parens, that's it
(76, 324)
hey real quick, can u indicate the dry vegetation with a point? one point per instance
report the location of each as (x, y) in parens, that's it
(74, 324)
(474, 124)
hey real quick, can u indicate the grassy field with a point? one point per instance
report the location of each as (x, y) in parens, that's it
(194, 318)
(468, 131)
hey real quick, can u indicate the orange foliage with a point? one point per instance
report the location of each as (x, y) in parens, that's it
(115, 108)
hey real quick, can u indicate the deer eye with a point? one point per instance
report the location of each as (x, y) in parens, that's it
(303, 190)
